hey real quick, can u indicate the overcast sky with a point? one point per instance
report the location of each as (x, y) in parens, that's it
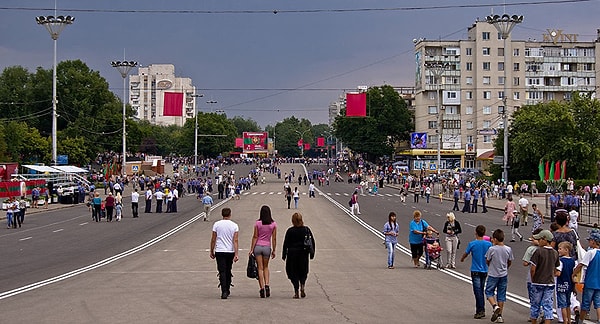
(262, 65)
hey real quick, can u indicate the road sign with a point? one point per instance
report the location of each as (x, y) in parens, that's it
(487, 131)
(135, 168)
(432, 167)
(498, 160)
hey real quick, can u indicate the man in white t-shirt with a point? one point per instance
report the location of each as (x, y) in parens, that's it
(224, 247)
(523, 209)
(135, 198)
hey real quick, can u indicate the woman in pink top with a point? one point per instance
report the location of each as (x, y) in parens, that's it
(509, 208)
(263, 245)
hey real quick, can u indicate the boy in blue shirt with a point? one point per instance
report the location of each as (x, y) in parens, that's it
(591, 287)
(479, 269)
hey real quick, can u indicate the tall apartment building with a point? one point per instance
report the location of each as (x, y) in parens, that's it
(480, 77)
(147, 89)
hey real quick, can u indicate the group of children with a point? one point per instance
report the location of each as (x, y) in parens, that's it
(552, 272)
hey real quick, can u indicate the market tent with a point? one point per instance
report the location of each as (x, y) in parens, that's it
(43, 168)
(70, 169)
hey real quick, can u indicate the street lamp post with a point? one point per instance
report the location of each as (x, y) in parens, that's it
(196, 132)
(54, 25)
(505, 24)
(302, 138)
(438, 69)
(124, 67)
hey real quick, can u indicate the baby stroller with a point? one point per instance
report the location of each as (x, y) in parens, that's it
(433, 252)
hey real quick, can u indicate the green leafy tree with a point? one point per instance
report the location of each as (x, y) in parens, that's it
(388, 120)
(245, 125)
(554, 131)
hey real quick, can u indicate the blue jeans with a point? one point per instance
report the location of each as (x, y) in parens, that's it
(478, 280)
(296, 203)
(499, 284)
(390, 247)
(541, 297)
(589, 296)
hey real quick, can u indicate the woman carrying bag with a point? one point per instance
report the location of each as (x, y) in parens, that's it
(263, 246)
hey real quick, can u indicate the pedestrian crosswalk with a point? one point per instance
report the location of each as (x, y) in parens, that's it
(253, 193)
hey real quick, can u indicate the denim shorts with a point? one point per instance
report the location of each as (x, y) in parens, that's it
(589, 296)
(494, 283)
(563, 299)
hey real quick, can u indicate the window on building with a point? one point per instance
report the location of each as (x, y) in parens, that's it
(516, 95)
(549, 96)
(468, 51)
(432, 110)
(487, 138)
(469, 110)
(588, 67)
(500, 66)
(469, 66)
(485, 35)
(487, 110)
(469, 80)
(451, 51)
(486, 66)
(432, 95)
(500, 51)
(452, 110)
(515, 52)
(451, 95)
(501, 80)
(500, 94)
(487, 95)
(469, 138)
(469, 95)
(516, 81)
(487, 123)
(469, 124)
(432, 124)
(486, 80)
(433, 138)
(500, 110)
(516, 67)
(486, 51)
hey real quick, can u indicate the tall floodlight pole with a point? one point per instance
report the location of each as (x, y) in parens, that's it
(55, 26)
(124, 67)
(438, 69)
(196, 131)
(505, 24)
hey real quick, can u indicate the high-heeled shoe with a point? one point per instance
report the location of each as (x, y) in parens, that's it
(267, 291)
(262, 293)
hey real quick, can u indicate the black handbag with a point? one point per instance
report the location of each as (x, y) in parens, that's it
(308, 242)
(252, 268)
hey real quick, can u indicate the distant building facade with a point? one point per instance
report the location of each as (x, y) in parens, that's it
(146, 94)
(481, 77)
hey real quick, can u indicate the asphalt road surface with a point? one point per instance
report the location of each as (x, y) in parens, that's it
(63, 268)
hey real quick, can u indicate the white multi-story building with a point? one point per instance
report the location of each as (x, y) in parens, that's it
(480, 77)
(146, 95)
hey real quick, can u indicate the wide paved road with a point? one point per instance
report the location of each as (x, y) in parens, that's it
(156, 269)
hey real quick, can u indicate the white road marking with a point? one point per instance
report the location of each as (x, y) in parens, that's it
(58, 230)
(26, 238)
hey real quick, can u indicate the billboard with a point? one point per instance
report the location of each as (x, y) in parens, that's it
(418, 140)
(255, 142)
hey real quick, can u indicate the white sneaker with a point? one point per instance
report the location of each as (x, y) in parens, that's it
(500, 319)
(496, 313)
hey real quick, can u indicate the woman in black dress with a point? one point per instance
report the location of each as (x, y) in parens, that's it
(295, 255)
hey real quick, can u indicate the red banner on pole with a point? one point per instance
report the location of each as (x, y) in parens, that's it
(356, 104)
(173, 104)
(306, 146)
(320, 141)
(239, 142)
(300, 142)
